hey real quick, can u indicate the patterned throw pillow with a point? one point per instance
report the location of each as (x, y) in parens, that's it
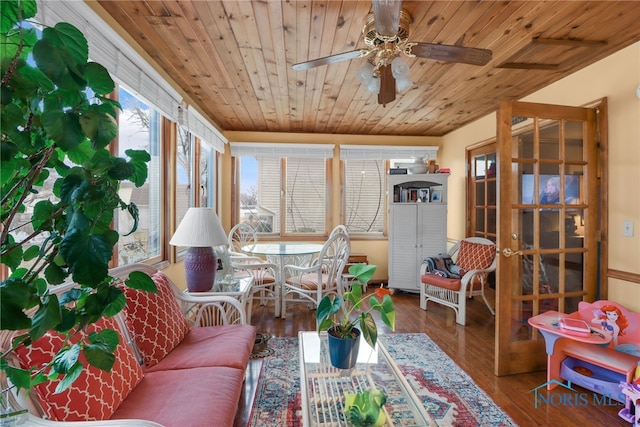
(95, 394)
(155, 320)
(473, 256)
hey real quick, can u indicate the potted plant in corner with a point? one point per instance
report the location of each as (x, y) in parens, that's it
(340, 316)
(57, 121)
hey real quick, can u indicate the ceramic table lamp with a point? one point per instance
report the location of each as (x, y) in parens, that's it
(200, 230)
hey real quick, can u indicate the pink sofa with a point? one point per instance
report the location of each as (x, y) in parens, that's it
(183, 363)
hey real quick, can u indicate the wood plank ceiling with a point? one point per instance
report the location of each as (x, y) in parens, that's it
(233, 58)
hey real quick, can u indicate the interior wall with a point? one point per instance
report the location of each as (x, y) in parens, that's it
(617, 78)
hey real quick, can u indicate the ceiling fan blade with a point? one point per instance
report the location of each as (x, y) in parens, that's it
(449, 53)
(331, 59)
(386, 15)
(387, 92)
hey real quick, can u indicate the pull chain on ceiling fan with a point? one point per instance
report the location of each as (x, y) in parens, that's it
(386, 35)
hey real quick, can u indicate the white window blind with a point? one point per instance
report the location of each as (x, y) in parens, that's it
(265, 149)
(200, 127)
(386, 152)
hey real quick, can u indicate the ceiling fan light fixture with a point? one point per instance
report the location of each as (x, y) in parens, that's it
(403, 84)
(399, 68)
(400, 71)
(374, 85)
(365, 73)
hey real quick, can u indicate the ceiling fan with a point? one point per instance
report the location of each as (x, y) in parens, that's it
(386, 35)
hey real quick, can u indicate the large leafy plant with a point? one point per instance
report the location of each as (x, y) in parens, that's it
(57, 121)
(343, 313)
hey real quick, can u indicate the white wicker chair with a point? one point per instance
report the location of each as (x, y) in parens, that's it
(454, 292)
(266, 275)
(310, 284)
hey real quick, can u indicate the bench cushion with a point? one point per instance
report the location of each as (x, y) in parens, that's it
(186, 397)
(211, 346)
(155, 320)
(95, 394)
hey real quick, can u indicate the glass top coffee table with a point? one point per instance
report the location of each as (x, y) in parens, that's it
(322, 386)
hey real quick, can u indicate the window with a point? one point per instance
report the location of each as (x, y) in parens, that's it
(365, 183)
(305, 196)
(139, 129)
(207, 176)
(183, 173)
(283, 187)
(365, 196)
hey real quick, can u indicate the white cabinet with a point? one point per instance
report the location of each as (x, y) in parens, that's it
(417, 229)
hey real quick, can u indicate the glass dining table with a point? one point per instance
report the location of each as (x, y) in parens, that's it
(284, 253)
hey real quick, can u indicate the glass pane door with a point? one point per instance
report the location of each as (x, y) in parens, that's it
(547, 222)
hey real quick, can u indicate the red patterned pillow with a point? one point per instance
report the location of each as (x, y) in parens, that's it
(155, 320)
(473, 256)
(95, 394)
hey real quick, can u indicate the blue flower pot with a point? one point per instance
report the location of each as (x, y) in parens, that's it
(343, 352)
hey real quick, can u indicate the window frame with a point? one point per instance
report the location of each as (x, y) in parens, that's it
(283, 151)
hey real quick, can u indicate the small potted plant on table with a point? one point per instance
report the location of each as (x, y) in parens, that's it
(340, 316)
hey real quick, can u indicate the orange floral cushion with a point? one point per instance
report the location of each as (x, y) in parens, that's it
(95, 394)
(473, 256)
(155, 320)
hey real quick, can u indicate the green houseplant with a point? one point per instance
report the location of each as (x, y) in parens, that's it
(57, 121)
(340, 316)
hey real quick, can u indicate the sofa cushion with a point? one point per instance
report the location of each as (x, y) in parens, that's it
(229, 345)
(155, 320)
(95, 394)
(473, 256)
(186, 397)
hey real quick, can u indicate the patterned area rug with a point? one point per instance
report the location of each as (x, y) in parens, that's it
(449, 395)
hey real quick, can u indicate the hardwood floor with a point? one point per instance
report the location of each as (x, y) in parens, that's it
(471, 347)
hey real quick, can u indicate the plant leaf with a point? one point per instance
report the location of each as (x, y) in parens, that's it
(99, 126)
(66, 359)
(369, 329)
(63, 128)
(98, 78)
(326, 308)
(362, 273)
(46, 318)
(99, 350)
(15, 297)
(141, 281)
(69, 378)
(55, 274)
(88, 256)
(11, 13)
(19, 377)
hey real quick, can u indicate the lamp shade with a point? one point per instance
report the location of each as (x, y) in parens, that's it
(200, 227)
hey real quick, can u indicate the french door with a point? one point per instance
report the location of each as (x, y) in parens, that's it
(547, 223)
